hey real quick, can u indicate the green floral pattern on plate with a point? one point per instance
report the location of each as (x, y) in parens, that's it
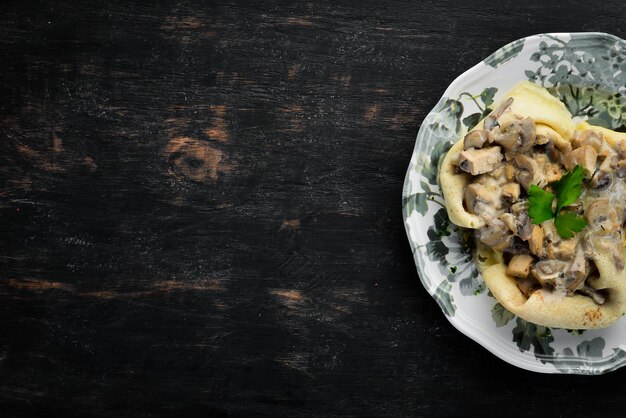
(505, 53)
(587, 71)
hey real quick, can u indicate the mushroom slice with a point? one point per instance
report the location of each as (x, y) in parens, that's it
(609, 163)
(527, 135)
(552, 172)
(529, 172)
(588, 137)
(535, 242)
(515, 246)
(597, 214)
(592, 293)
(562, 250)
(606, 151)
(516, 135)
(497, 172)
(510, 221)
(549, 232)
(491, 121)
(510, 192)
(496, 235)
(475, 139)
(562, 145)
(547, 272)
(586, 156)
(600, 180)
(519, 206)
(524, 226)
(555, 144)
(480, 161)
(509, 171)
(506, 139)
(477, 195)
(519, 266)
(527, 286)
(518, 220)
(542, 139)
(553, 153)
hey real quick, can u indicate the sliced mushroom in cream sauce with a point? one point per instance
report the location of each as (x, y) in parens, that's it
(509, 155)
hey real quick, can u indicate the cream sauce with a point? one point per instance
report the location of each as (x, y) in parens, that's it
(604, 210)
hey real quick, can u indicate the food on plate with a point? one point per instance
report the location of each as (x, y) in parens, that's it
(546, 198)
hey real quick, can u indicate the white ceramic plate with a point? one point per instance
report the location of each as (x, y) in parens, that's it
(587, 71)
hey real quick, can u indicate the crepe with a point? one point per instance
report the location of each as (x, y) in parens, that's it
(544, 307)
(551, 117)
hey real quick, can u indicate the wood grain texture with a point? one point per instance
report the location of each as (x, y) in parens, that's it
(200, 210)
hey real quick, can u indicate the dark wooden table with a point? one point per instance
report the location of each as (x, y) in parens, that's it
(200, 210)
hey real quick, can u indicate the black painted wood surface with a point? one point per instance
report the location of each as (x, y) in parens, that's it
(200, 210)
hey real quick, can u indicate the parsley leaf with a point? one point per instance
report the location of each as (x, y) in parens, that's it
(539, 204)
(568, 188)
(567, 223)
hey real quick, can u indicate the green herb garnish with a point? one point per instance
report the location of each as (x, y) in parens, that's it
(566, 191)
(539, 204)
(567, 223)
(569, 187)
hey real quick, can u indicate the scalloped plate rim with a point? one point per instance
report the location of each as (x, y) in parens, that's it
(525, 359)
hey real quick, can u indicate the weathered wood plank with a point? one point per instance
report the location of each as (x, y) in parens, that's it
(200, 210)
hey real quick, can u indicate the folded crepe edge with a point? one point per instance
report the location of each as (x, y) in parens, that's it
(545, 307)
